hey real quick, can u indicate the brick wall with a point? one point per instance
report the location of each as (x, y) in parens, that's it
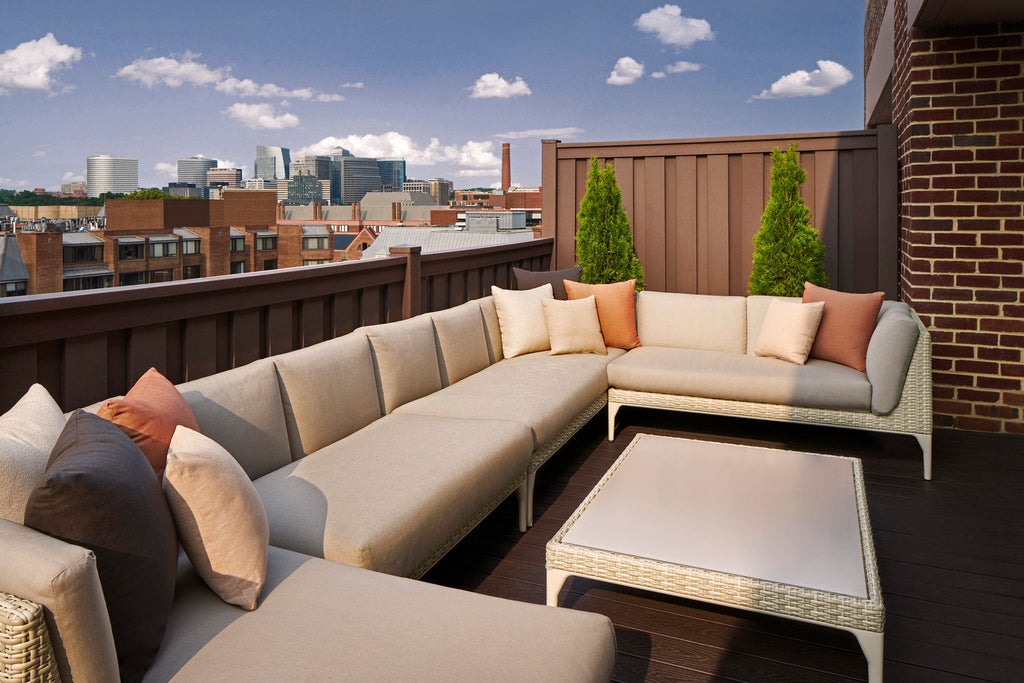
(958, 106)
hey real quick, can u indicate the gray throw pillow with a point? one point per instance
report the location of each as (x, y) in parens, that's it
(530, 279)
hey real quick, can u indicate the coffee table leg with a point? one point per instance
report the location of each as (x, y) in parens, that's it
(872, 644)
(556, 579)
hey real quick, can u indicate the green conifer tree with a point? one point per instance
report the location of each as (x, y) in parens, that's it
(604, 240)
(787, 249)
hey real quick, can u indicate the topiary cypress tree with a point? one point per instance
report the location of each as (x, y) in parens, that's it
(604, 240)
(787, 249)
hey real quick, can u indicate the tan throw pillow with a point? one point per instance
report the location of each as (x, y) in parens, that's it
(148, 414)
(28, 432)
(788, 330)
(616, 309)
(220, 519)
(521, 319)
(847, 324)
(573, 326)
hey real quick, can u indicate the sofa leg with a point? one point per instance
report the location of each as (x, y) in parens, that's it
(613, 409)
(926, 448)
(531, 480)
(523, 494)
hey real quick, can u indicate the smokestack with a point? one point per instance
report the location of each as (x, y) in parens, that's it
(506, 167)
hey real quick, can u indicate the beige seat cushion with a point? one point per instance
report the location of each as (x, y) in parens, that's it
(241, 410)
(461, 341)
(406, 358)
(539, 390)
(390, 495)
(328, 390)
(692, 321)
(28, 432)
(320, 621)
(740, 377)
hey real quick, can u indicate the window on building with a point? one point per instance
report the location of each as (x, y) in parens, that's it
(270, 264)
(13, 289)
(315, 242)
(237, 244)
(266, 243)
(160, 275)
(83, 254)
(126, 279)
(163, 249)
(190, 272)
(131, 252)
(237, 267)
(363, 246)
(77, 284)
(189, 247)
(314, 261)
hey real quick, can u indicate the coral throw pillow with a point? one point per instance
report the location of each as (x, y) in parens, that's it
(149, 413)
(573, 326)
(788, 330)
(616, 309)
(847, 322)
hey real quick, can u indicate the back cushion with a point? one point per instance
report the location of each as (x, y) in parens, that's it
(692, 321)
(757, 307)
(406, 358)
(241, 410)
(493, 328)
(461, 341)
(329, 390)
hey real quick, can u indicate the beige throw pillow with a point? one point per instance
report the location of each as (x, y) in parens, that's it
(573, 326)
(788, 330)
(28, 432)
(220, 519)
(521, 319)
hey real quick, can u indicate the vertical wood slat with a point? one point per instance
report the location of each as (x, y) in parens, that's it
(887, 191)
(18, 369)
(703, 256)
(245, 337)
(865, 243)
(85, 370)
(565, 208)
(147, 348)
(200, 347)
(718, 224)
(686, 225)
(311, 321)
(279, 328)
(655, 215)
(825, 210)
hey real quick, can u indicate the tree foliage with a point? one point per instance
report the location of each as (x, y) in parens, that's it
(29, 198)
(151, 193)
(604, 240)
(787, 249)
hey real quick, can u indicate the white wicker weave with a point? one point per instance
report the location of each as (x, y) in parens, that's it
(913, 414)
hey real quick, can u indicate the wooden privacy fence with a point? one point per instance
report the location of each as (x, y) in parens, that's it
(695, 205)
(87, 346)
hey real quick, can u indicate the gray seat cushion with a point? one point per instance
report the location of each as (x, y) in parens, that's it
(320, 621)
(539, 390)
(390, 495)
(739, 377)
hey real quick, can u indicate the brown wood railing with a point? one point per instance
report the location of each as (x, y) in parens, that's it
(695, 205)
(87, 346)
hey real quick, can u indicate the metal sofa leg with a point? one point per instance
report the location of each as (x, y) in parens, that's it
(523, 494)
(926, 448)
(613, 409)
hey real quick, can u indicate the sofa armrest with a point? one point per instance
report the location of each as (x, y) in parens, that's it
(890, 351)
(63, 579)
(25, 648)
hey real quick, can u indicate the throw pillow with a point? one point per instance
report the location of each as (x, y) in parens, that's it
(521, 320)
(530, 279)
(28, 432)
(573, 326)
(148, 414)
(220, 519)
(788, 330)
(846, 326)
(616, 309)
(99, 493)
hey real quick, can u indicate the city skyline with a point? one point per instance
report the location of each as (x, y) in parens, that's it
(398, 82)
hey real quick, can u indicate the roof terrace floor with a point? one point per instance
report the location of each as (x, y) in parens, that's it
(950, 553)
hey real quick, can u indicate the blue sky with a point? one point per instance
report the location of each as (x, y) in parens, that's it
(442, 84)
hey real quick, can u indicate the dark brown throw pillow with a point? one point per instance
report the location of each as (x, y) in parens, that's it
(530, 279)
(99, 492)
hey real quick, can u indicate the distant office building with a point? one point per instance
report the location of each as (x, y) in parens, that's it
(193, 170)
(441, 190)
(188, 190)
(224, 177)
(76, 188)
(317, 166)
(352, 177)
(259, 184)
(105, 173)
(392, 174)
(413, 185)
(306, 188)
(272, 163)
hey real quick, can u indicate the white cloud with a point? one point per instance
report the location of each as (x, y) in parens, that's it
(357, 84)
(72, 177)
(827, 77)
(11, 183)
(682, 67)
(568, 132)
(39, 154)
(175, 72)
(482, 172)
(261, 116)
(469, 155)
(167, 170)
(658, 74)
(32, 65)
(626, 72)
(669, 26)
(493, 85)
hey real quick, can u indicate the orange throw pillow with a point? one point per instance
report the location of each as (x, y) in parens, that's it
(846, 325)
(149, 413)
(616, 309)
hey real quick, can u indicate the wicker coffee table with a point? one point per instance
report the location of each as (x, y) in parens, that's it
(767, 530)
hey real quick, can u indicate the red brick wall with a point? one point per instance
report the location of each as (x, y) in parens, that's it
(958, 106)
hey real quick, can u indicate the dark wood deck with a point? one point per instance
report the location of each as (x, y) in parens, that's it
(951, 558)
